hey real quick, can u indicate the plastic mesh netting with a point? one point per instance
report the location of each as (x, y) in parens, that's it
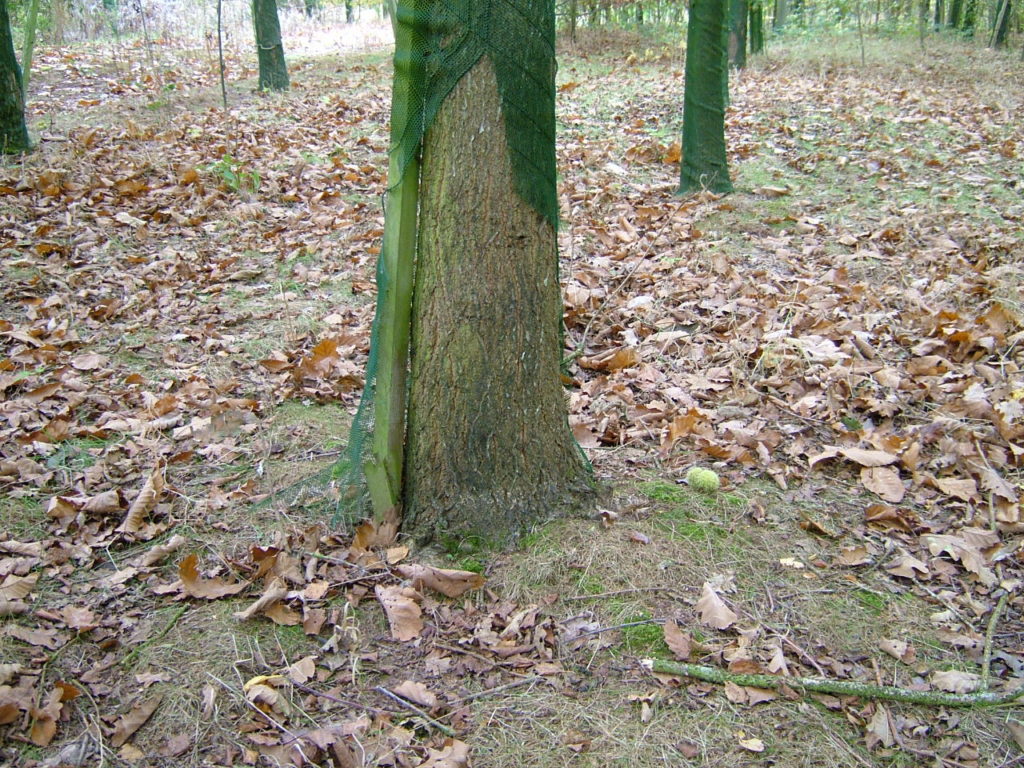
(438, 43)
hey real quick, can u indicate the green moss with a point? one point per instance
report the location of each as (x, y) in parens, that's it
(872, 602)
(646, 639)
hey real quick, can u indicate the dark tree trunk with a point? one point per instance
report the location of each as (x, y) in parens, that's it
(937, 20)
(489, 451)
(269, 49)
(953, 17)
(350, 14)
(1002, 24)
(704, 164)
(13, 134)
(970, 14)
(756, 27)
(738, 33)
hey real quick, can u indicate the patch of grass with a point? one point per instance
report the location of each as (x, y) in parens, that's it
(23, 518)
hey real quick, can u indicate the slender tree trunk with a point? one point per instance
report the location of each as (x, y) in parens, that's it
(738, 13)
(922, 22)
(1002, 25)
(574, 14)
(489, 451)
(13, 134)
(953, 17)
(756, 27)
(58, 21)
(937, 20)
(269, 49)
(31, 21)
(704, 163)
(969, 17)
(350, 14)
(781, 14)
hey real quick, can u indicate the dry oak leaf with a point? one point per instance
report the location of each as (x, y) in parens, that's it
(455, 754)
(879, 729)
(402, 608)
(713, 610)
(274, 593)
(955, 681)
(677, 640)
(131, 721)
(898, 649)
(450, 583)
(17, 587)
(965, 552)
(209, 589)
(160, 551)
(145, 502)
(417, 693)
(885, 481)
(964, 489)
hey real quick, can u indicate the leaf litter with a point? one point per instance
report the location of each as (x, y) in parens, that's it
(849, 320)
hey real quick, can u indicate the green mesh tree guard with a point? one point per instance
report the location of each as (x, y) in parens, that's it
(437, 43)
(704, 164)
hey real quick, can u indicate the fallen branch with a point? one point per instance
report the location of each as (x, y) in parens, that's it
(839, 687)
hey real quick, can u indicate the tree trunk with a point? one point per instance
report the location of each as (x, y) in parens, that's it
(781, 15)
(1002, 25)
(953, 17)
(756, 27)
(13, 134)
(704, 163)
(58, 22)
(738, 33)
(968, 19)
(269, 49)
(489, 451)
(937, 20)
(350, 14)
(31, 22)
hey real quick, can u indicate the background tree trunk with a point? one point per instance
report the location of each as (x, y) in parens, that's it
(738, 33)
(488, 449)
(269, 49)
(13, 134)
(756, 27)
(704, 163)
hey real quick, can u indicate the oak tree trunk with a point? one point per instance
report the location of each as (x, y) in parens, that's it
(13, 134)
(269, 49)
(488, 449)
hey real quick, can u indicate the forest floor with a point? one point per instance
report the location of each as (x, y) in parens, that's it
(186, 297)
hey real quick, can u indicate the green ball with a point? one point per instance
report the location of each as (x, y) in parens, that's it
(703, 480)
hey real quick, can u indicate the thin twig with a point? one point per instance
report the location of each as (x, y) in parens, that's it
(619, 592)
(159, 636)
(480, 656)
(600, 630)
(439, 726)
(989, 633)
(500, 688)
(335, 699)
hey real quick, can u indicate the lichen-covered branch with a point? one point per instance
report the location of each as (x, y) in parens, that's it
(838, 687)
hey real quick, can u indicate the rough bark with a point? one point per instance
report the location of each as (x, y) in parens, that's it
(704, 164)
(269, 49)
(488, 450)
(13, 134)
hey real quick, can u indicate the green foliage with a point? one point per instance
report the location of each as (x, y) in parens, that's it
(233, 175)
